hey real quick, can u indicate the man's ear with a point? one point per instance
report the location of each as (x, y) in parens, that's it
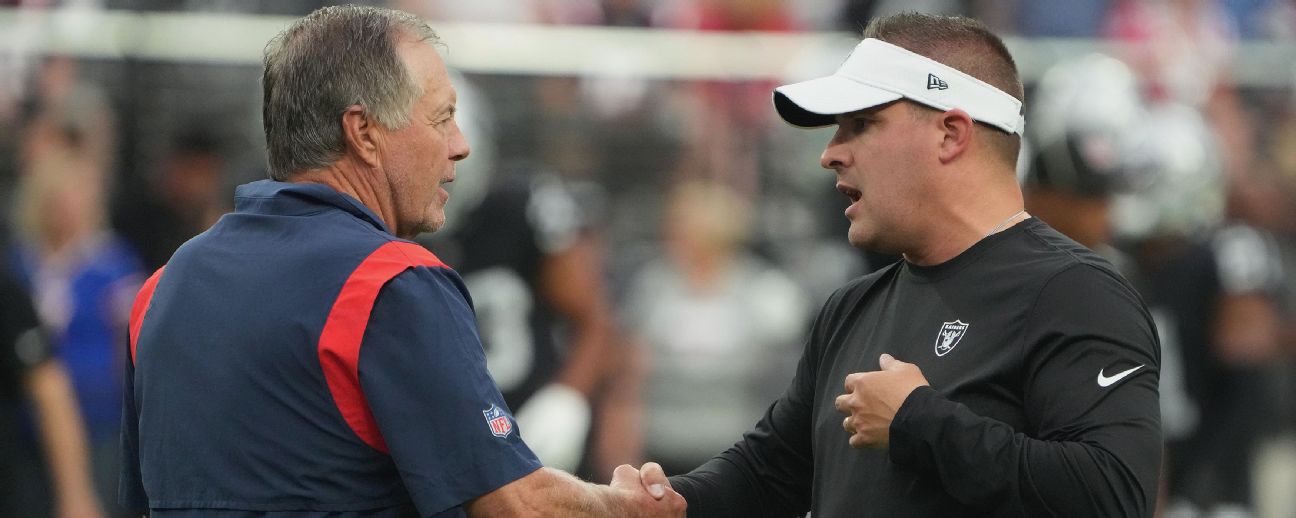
(362, 135)
(957, 127)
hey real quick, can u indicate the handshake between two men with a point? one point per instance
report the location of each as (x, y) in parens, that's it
(870, 402)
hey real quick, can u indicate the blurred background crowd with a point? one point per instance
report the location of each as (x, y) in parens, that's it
(663, 220)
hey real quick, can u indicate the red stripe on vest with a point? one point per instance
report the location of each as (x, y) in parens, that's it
(140, 307)
(339, 344)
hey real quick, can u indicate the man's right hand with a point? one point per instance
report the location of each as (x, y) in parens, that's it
(646, 492)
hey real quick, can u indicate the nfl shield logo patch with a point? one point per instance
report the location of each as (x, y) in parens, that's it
(950, 335)
(498, 421)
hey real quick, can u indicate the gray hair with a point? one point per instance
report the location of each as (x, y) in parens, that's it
(332, 59)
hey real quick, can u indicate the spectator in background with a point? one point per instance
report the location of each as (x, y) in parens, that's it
(187, 197)
(29, 374)
(1179, 48)
(68, 113)
(720, 328)
(82, 278)
(727, 121)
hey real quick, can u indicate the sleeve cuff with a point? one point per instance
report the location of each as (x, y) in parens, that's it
(908, 445)
(507, 466)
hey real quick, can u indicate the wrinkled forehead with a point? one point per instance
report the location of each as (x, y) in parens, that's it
(421, 58)
(426, 67)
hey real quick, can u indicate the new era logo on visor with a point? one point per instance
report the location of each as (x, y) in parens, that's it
(936, 83)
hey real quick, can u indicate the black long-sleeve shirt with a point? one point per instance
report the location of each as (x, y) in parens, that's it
(1043, 368)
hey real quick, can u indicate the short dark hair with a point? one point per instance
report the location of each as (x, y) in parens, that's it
(319, 66)
(962, 43)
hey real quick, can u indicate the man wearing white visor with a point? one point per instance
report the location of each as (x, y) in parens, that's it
(999, 369)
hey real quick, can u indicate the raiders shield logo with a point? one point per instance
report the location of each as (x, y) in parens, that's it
(950, 335)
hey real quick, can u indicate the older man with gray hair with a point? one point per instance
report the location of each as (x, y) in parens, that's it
(304, 357)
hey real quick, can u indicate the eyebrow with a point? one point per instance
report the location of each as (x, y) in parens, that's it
(451, 107)
(869, 114)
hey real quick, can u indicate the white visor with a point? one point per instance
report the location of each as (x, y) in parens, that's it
(878, 72)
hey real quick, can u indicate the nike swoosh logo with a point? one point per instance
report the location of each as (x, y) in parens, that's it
(1107, 381)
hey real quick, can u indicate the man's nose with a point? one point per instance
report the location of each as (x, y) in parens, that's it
(831, 158)
(458, 145)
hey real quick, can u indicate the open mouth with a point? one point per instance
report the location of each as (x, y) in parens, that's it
(850, 192)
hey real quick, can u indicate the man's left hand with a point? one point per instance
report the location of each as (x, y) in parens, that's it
(872, 399)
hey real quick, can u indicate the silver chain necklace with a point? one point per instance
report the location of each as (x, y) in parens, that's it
(1005, 222)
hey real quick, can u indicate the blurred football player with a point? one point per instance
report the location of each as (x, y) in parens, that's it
(534, 264)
